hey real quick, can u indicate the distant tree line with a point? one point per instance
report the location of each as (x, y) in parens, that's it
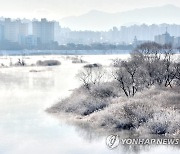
(6, 45)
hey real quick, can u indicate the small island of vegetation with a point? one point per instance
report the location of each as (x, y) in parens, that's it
(140, 94)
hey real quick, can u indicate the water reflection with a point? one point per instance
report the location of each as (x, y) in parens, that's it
(90, 134)
(24, 126)
(28, 80)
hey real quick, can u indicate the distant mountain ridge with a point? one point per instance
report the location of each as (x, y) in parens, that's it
(98, 20)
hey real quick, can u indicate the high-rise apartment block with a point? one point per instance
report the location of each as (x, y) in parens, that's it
(14, 30)
(44, 31)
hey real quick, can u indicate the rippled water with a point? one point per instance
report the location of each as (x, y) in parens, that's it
(25, 128)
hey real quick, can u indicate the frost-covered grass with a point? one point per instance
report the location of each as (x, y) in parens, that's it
(153, 111)
(83, 102)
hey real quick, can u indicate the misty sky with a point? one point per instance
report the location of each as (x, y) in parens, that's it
(57, 9)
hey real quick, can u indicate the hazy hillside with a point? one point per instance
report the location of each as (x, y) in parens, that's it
(97, 20)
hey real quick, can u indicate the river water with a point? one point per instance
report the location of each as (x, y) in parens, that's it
(25, 127)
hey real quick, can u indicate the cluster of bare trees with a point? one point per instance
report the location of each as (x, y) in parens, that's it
(91, 74)
(130, 76)
(150, 64)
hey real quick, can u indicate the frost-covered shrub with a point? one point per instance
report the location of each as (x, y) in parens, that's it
(116, 62)
(48, 63)
(92, 65)
(20, 62)
(164, 122)
(177, 82)
(138, 113)
(104, 90)
(80, 103)
(146, 113)
(123, 116)
(78, 61)
(109, 118)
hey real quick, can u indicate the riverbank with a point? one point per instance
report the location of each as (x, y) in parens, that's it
(153, 111)
(132, 100)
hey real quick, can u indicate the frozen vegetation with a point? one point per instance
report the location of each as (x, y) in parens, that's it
(48, 63)
(77, 60)
(28, 61)
(140, 94)
(153, 111)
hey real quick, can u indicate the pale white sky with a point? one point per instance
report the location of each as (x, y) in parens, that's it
(57, 9)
